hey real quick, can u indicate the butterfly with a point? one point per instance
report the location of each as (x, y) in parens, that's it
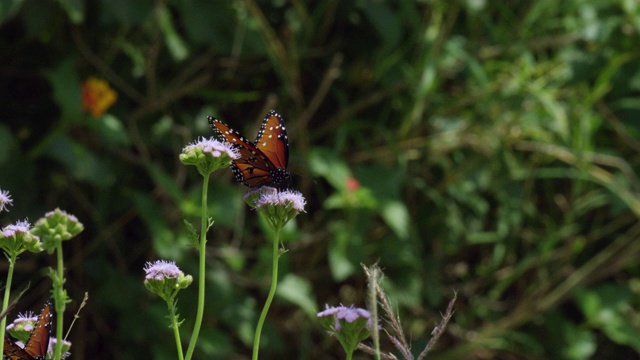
(264, 161)
(38, 343)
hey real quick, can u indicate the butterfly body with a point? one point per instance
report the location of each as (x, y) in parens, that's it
(38, 343)
(264, 161)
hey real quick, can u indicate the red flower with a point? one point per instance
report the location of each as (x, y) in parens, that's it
(97, 96)
(352, 184)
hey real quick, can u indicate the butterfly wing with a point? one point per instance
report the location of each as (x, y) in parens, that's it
(272, 140)
(14, 352)
(252, 168)
(38, 343)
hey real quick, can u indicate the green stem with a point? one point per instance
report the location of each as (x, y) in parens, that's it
(176, 331)
(5, 300)
(349, 355)
(59, 297)
(373, 304)
(201, 280)
(272, 292)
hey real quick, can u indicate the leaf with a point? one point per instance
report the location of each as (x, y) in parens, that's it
(606, 308)
(345, 251)
(8, 8)
(328, 165)
(80, 161)
(396, 215)
(177, 47)
(67, 91)
(299, 291)
(75, 10)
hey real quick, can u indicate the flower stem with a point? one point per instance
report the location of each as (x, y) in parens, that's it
(5, 301)
(349, 355)
(272, 292)
(175, 325)
(204, 223)
(58, 288)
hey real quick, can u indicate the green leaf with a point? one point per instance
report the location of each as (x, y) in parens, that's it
(111, 130)
(80, 161)
(606, 308)
(566, 340)
(8, 8)
(125, 11)
(74, 9)
(396, 215)
(299, 291)
(385, 22)
(328, 165)
(177, 47)
(67, 91)
(344, 251)
(166, 242)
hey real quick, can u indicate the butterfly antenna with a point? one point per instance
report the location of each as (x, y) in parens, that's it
(77, 316)
(14, 302)
(11, 306)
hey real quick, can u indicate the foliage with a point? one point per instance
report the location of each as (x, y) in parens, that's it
(481, 147)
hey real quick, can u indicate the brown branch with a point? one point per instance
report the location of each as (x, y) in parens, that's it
(97, 62)
(330, 75)
(440, 328)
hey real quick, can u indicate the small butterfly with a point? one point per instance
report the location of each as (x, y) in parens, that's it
(264, 161)
(38, 343)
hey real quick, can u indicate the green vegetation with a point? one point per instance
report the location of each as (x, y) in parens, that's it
(488, 148)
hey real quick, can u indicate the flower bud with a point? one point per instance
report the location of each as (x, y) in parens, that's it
(208, 155)
(55, 227)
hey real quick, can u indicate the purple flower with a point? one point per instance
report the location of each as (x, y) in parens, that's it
(21, 227)
(17, 238)
(214, 147)
(288, 198)
(5, 199)
(161, 270)
(56, 226)
(295, 198)
(165, 279)
(208, 155)
(66, 345)
(278, 206)
(63, 213)
(349, 314)
(22, 326)
(350, 325)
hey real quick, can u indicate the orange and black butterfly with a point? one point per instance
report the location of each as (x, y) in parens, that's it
(264, 161)
(38, 343)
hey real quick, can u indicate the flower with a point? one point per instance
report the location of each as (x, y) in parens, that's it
(66, 345)
(161, 269)
(349, 314)
(352, 184)
(56, 226)
(278, 206)
(165, 279)
(22, 326)
(350, 325)
(5, 199)
(21, 227)
(208, 155)
(17, 238)
(97, 96)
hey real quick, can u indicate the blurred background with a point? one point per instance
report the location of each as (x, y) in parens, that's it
(488, 148)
